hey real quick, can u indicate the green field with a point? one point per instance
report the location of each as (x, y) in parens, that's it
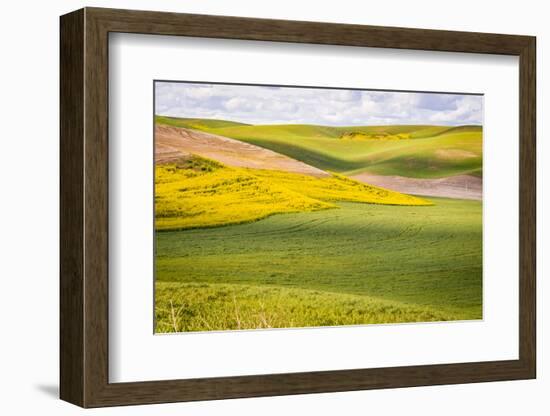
(421, 151)
(244, 248)
(361, 263)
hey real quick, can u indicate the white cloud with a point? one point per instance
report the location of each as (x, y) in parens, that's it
(272, 105)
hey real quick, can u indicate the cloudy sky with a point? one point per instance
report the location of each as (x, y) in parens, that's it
(286, 105)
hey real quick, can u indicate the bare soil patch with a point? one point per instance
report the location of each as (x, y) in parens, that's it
(459, 186)
(172, 143)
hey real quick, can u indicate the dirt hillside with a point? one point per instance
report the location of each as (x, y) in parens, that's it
(173, 142)
(459, 186)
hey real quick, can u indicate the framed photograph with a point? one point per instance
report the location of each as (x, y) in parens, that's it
(256, 207)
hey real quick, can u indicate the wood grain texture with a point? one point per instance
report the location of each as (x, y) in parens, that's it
(84, 207)
(226, 27)
(71, 185)
(96, 209)
(527, 207)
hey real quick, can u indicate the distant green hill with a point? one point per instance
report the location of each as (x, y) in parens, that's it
(436, 151)
(196, 123)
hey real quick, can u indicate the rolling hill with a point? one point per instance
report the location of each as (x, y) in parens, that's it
(431, 152)
(196, 123)
(172, 143)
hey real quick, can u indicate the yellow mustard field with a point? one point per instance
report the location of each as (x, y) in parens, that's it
(374, 136)
(198, 192)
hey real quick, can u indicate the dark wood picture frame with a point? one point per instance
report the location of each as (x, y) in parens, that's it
(84, 207)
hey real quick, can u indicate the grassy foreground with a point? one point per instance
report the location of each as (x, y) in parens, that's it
(393, 263)
(183, 307)
(198, 192)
